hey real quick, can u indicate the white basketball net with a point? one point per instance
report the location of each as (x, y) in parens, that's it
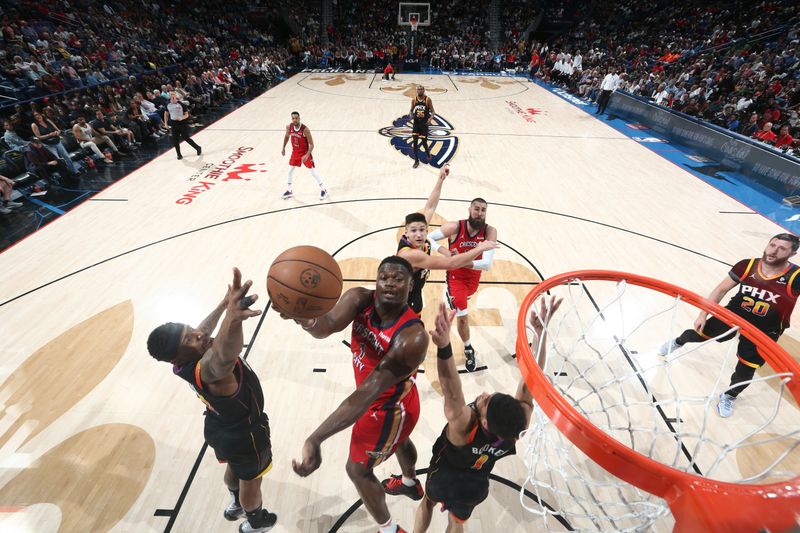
(601, 356)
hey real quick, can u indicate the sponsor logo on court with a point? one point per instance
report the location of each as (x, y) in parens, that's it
(441, 141)
(526, 114)
(211, 175)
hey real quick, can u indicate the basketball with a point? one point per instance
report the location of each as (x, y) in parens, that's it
(304, 282)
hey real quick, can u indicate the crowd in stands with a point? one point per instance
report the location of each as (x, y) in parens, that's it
(114, 65)
(734, 64)
(97, 79)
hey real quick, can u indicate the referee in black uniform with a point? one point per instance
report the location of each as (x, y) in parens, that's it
(177, 116)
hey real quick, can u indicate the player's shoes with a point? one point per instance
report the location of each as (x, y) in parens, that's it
(287, 195)
(470, 364)
(399, 530)
(416, 164)
(725, 405)
(234, 511)
(668, 347)
(395, 487)
(266, 521)
(323, 193)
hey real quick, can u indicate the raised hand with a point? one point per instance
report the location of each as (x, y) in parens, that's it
(442, 324)
(236, 292)
(547, 307)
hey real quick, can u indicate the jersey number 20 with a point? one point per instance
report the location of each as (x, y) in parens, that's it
(757, 308)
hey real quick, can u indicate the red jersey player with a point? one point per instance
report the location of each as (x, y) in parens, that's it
(388, 344)
(302, 146)
(463, 236)
(768, 290)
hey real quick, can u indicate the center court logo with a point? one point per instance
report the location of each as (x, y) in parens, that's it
(441, 141)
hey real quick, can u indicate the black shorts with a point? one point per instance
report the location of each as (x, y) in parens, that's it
(459, 491)
(246, 449)
(746, 351)
(420, 129)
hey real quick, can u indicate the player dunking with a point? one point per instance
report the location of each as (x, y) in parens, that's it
(302, 146)
(768, 291)
(464, 236)
(421, 113)
(388, 343)
(415, 248)
(236, 426)
(476, 435)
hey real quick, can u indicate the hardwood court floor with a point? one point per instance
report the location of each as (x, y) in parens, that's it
(96, 436)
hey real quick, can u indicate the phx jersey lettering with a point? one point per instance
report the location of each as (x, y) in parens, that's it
(419, 278)
(393, 415)
(463, 282)
(459, 475)
(236, 425)
(421, 114)
(765, 302)
(299, 146)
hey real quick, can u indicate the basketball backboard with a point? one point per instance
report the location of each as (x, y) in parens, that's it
(421, 9)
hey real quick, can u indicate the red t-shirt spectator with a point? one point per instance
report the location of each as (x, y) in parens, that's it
(784, 140)
(765, 135)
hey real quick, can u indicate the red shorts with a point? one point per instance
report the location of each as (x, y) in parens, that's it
(388, 69)
(297, 157)
(459, 290)
(378, 432)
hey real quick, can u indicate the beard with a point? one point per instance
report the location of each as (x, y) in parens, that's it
(476, 224)
(777, 261)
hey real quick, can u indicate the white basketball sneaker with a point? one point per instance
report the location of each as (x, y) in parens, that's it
(668, 347)
(725, 405)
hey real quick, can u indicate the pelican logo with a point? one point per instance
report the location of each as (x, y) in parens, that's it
(309, 278)
(441, 141)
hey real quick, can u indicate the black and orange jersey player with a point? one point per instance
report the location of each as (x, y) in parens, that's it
(421, 115)
(236, 426)
(415, 248)
(768, 291)
(476, 435)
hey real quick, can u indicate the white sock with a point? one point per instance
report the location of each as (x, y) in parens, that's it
(317, 177)
(467, 343)
(388, 527)
(289, 180)
(409, 482)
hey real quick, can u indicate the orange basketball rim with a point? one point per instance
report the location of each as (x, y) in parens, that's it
(698, 504)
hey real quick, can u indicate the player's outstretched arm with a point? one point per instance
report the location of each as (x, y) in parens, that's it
(218, 362)
(538, 321)
(420, 259)
(716, 296)
(448, 229)
(436, 193)
(455, 407)
(485, 262)
(404, 357)
(340, 316)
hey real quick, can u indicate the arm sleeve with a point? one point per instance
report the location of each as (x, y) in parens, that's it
(485, 263)
(434, 236)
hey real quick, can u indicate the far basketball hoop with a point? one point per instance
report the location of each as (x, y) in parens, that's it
(420, 12)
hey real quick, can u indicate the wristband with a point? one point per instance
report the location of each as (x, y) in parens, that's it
(445, 353)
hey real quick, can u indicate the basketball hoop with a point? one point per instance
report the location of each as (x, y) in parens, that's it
(599, 399)
(413, 20)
